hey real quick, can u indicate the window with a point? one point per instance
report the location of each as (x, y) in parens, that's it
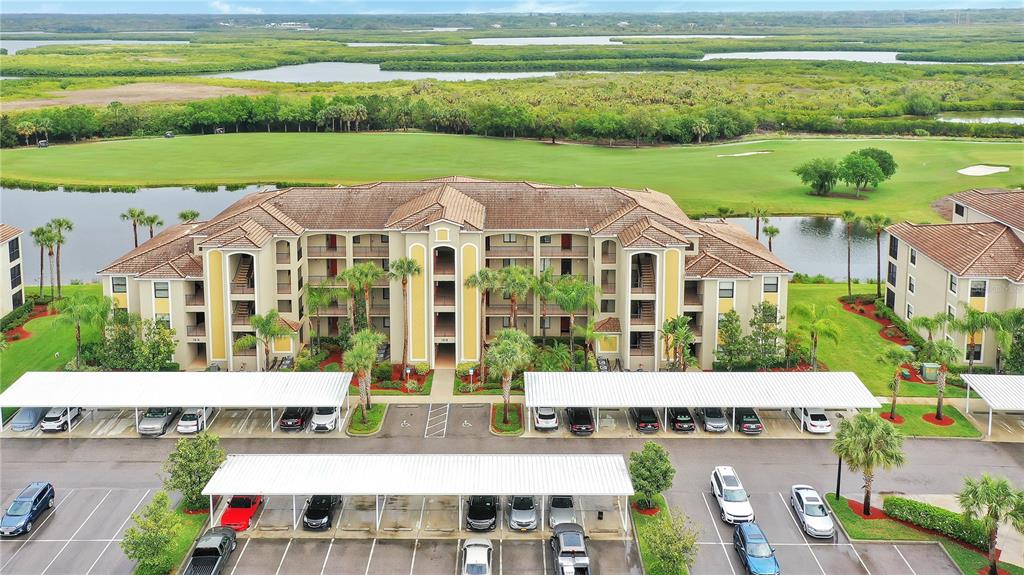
(910, 311)
(891, 274)
(545, 323)
(17, 299)
(506, 322)
(771, 284)
(951, 311)
(634, 340)
(284, 305)
(509, 238)
(978, 288)
(386, 293)
(16, 276)
(959, 209)
(894, 246)
(545, 239)
(119, 284)
(14, 249)
(384, 238)
(387, 323)
(545, 263)
(976, 355)
(911, 284)
(607, 306)
(952, 283)
(356, 239)
(913, 257)
(385, 265)
(635, 309)
(505, 263)
(160, 290)
(725, 289)
(163, 319)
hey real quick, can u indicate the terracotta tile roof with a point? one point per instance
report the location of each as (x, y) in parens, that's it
(987, 249)
(462, 179)
(169, 244)
(1006, 206)
(8, 232)
(709, 266)
(248, 234)
(292, 325)
(648, 233)
(608, 325)
(441, 203)
(733, 246)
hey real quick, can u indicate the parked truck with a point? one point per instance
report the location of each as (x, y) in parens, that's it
(569, 550)
(211, 552)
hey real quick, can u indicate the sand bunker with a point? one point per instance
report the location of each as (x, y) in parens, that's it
(743, 154)
(982, 170)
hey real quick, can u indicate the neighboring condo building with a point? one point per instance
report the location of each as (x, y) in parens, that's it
(976, 260)
(647, 259)
(12, 293)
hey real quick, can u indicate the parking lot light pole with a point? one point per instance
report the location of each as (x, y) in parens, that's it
(839, 476)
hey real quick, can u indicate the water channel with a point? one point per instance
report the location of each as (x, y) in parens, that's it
(14, 46)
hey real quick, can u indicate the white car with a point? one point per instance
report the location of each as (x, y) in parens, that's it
(324, 419)
(561, 510)
(194, 419)
(58, 418)
(731, 497)
(811, 512)
(476, 557)
(545, 418)
(812, 419)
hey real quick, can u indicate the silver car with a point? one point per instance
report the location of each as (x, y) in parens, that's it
(324, 419)
(194, 419)
(714, 419)
(156, 420)
(28, 418)
(476, 557)
(561, 510)
(545, 418)
(522, 515)
(811, 512)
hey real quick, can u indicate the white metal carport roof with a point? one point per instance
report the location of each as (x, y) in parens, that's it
(1000, 392)
(763, 390)
(177, 389)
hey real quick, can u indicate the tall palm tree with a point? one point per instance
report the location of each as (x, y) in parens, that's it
(371, 340)
(944, 353)
(59, 226)
(51, 243)
(760, 216)
(973, 323)
(543, 286)
(269, 327)
(40, 236)
(849, 220)
(770, 232)
(1010, 322)
(993, 501)
(364, 275)
(867, 443)
(77, 309)
(402, 269)
(514, 284)
(317, 298)
(818, 324)
(590, 337)
(483, 281)
(574, 294)
(678, 337)
(929, 323)
(25, 129)
(359, 359)
(348, 293)
(895, 356)
(723, 211)
(45, 124)
(136, 216)
(511, 352)
(187, 216)
(877, 223)
(152, 220)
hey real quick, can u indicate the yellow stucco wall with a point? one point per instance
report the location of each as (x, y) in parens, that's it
(610, 344)
(978, 303)
(162, 305)
(418, 307)
(725, 304)
(120, 300)
(772, 298)
(282, 344)
(442, 235)
(215, 291)
(670, 289)
(470, 307)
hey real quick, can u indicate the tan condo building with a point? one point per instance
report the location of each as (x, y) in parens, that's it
(11, 290)
(648, 261)
(977, 260)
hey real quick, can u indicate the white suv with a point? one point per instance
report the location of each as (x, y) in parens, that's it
(59, 418)
(812, 419)
(731, 497)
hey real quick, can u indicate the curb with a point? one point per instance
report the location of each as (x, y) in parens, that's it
(496, 433)
(349, 433)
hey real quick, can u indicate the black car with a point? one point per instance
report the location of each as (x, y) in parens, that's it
(747, 421)
(295, 418)
(581, 421)
(645, 419)
(680, 419)
(483, 513)
(320, 511)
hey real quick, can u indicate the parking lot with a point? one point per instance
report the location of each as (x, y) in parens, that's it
(436, 420)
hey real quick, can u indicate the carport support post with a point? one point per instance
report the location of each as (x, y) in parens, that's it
(68, 418)
(136, 420)
(734, 419)
(543, 502)
(460, 514)
(211, 510)
(990, 421)
(597, 421)
(664, 421)
(295, 515)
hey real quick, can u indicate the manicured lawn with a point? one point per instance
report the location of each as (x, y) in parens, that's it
(698, 179)
(915, 426)
(374, 419)
(515, 420)
(644, 524)
(192, 526)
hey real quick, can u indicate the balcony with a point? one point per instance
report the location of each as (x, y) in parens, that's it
(444, 298)
(608, 288)
(319, 279)
(241, 319)
(444, 268)
(198, 330)
(517, 251)
(335, 309)
(505, 308)
(251, 352)
(444, 327)
(196, 299)
(642, 319)
(643, 350)
(285, 287)
(380, 308)
(559, 252)
(327, 251)
(369, 251)
(284, 258)
(382, 282)
(608, 258)
(692, 297)
(243, 289)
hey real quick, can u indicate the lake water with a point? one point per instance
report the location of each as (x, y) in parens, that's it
(1003, 117)
(590, 40)
(379, 44)
(847, 56)
(14, 46)
(352, 72)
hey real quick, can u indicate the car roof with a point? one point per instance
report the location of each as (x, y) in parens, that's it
(752, 531)
(32, 489)
(727, 471)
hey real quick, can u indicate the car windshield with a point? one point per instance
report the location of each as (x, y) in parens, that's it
(291, 413)
(481, 501)
(522, 503)
(19, 508)
(190, 416)
(56, 415)
(325, 411)
(713, 413)
(818, 417)
(240, 502)
(320, 501)
(735, 495)
(561, 502)
(748, 418)
(646, 416)
(759, 549)
(476, 569)
(546, 413)
(815, 510)
(683, 416)
(156, 412)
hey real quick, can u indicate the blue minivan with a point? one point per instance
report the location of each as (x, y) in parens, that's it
(26, 508)
(28, 418)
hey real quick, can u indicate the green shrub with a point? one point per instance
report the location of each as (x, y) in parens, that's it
(799, 278)
(465, 388)
(462, 369)
(937, 519)
(413, 387)
(883, 311)
(381, 372)
(922, 133)
(389, 384)
(422, 368)
(17, 316)
(332, 368)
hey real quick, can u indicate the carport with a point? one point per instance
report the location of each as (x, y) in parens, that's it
(423, 475)
(132, 390)
(700, 389)
(1000, 392)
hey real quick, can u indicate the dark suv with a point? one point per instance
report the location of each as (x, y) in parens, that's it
(581, 421)
(645, 419)
(747, 421)
(483, 513)
(680, 419)
(295, 418)
(319, 512)
(26, 508)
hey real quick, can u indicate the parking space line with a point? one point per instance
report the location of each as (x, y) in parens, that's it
(119, 530)
(283, 555)
(437, 416)
(412, 566)
(900, 553)
(789, 513)
(862, 564)
(458, 546)
(93, 512)
(41, 523)
(501, 556)
(327, 557)
(714, 525)
(369, 559)
(240, 554)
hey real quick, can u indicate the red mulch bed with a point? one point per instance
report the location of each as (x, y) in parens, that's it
(802, 366)
(395, 373)
(334, 357)
(898, 420)
(20, 331)
(203, 511)
(915, 377)
(858, 508)
(888, 331)
(652, 511)
(944, 422)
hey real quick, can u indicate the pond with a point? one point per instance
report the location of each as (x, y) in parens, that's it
(591, 40)
(14, 46)
(847, 56)
(100, 236)
(353, 72)
(1001, 117)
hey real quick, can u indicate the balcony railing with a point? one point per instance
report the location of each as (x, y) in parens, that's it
(608, 287)
(318, 279)
(370, 251)
(242, 289)
(333, 310)
(643, 287)
(241, 319)
(444, 268)
(446, 329)
(642, 319)
(380, 308)
(326, 251)
(559, 252)
(250, 352)
(692, 298)
(444, 299)
(644, 350)
(505, 308)
(284, 287)
(196, 330)
(195, 299)
(284, 258)
(608, 258)
(525, 251)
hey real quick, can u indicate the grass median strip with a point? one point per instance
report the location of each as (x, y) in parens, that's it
(644, 524)
(515, 419)
(374, 419)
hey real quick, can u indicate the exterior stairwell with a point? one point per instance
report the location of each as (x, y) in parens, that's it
(242, 282)
(241, 313)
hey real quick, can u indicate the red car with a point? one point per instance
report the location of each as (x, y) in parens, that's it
(241, 509)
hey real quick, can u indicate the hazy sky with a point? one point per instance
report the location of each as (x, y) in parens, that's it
(473, 6)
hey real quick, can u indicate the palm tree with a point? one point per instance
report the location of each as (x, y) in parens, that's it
(554, 358)
(971, 324)
(402, 269)
(317, 298)
(152, 220)
(849, 219)
(1010, 322)
(895, 356)
(818, 324)
(364, 275)
(866, 443)
(77, 309)
(993, 501)
(929, 323)
(511, 352)
(41, 238)
(514, 283)
(25, 129)
(136, 216)
(371, 340)
(760, 216)
(51, 243)
(59, 226)
(590, 337)
(187, 216)
(771, 232)
(944, 353)
(678, 337)
(45, 124)
(574, 294)
(723, 211)
(269, 327)
(483, 281)
(543, 285)
(348, 293)
(360, 360)
(877, 223)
